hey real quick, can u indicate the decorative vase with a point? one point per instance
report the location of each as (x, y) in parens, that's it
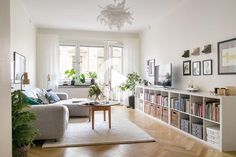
(21, 151)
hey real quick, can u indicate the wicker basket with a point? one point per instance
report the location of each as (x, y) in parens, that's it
(21, 152)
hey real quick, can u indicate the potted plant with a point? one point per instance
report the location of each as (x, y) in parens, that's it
(92, 76)
(94, 90)
(146, 82)
(132, 80)
(82, 78)
(23, 133)
(71, 74)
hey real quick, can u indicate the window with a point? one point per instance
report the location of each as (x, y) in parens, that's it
(117, 58)
(91, 58)
(67, 58)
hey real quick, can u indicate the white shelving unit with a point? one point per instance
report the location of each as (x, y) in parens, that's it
(158, 103)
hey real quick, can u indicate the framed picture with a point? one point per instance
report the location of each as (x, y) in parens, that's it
(196, 68)
(19, 66)
(150, 67)
(187, 68)
(227, 57)
(207, 67)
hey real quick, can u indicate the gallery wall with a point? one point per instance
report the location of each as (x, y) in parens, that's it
(192, 24)
(23, 39)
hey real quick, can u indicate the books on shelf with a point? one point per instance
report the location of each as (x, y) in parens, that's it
(197, 109)
(152, 98)
(212, 111)
(159, 99)
(165, 101)
(174, 103)
(185, 104)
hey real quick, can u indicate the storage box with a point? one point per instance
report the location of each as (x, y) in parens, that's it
(158, 111)
(175, 118)
(184, 125)
(197, 130)
(146, 107)
(165, 115)
(153, 110)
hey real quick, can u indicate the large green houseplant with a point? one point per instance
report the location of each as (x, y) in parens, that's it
(23, 133)
(73, 75)
(132, 80)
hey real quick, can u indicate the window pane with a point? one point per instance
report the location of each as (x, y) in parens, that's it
(117, 58)
(67, 59)
(91, 58)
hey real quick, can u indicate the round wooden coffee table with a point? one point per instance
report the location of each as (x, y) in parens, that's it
(93, 107)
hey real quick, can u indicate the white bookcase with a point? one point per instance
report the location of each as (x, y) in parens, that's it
(196, 115)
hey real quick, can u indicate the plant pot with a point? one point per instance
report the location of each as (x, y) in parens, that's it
(21, 152)
(92, 81)
(132, 101)
(72, 82)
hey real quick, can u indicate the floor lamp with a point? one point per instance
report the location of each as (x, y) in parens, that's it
(24, 80)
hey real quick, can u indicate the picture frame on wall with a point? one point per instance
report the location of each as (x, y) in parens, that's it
(187, 67)
(19, 67)
(227, 57)
(150, 67)
(207, 67)
(196, 68)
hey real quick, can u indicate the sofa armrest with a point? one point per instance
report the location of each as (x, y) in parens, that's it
(62, 95)
(52, 121)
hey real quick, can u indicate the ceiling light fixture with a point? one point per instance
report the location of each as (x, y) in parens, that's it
(115, 15)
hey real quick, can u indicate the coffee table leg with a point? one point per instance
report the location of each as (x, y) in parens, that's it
(89, 114)
(109, 114)
(92, 119)
(104, 112)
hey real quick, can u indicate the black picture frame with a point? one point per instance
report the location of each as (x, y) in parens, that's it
(151, 67)
(227, 49)
(19, 67)
(196, 68)
(207, 66)
(187, 68)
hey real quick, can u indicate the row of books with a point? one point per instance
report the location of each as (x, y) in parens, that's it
(197, 109)
(185, 104)
(174, 103)
(212, 111)
(158, 99)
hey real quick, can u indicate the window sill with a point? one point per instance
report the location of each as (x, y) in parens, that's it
(73, 86)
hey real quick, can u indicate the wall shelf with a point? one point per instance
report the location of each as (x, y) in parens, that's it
(193, 114)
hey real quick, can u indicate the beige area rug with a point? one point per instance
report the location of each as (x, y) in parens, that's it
(80, 133)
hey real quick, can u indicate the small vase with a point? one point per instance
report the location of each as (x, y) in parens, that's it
(21, 151)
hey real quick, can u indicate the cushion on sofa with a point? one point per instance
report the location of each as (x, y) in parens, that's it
(52, 97)
(42, 96)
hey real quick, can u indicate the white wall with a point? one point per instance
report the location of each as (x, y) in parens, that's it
(23, 38)
(5, 96)
(194, 24)
(87, 36)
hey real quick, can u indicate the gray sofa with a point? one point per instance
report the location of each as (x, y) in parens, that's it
(53, 119)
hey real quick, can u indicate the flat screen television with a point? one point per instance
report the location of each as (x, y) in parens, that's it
(163, 75)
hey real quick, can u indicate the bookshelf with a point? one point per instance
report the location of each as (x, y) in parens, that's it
(207, 118)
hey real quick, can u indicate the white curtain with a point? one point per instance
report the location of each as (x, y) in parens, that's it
(47, 61)
(131, 62)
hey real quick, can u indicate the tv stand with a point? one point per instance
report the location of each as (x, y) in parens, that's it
(207, 118)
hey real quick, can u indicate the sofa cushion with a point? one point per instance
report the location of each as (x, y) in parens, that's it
(42, 96)
(52, 97)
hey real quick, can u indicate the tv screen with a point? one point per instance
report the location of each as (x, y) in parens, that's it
(163, 75)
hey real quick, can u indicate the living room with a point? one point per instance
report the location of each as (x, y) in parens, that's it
(63, 46)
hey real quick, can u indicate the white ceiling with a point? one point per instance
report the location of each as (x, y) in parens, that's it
(82, 14)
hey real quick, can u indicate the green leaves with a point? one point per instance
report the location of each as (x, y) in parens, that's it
(82, 78)
(70, 74)
(23, 133)
(132, 80)
(92, 75)
(94, 90)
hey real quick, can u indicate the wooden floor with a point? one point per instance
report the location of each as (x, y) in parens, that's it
(170, 143)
